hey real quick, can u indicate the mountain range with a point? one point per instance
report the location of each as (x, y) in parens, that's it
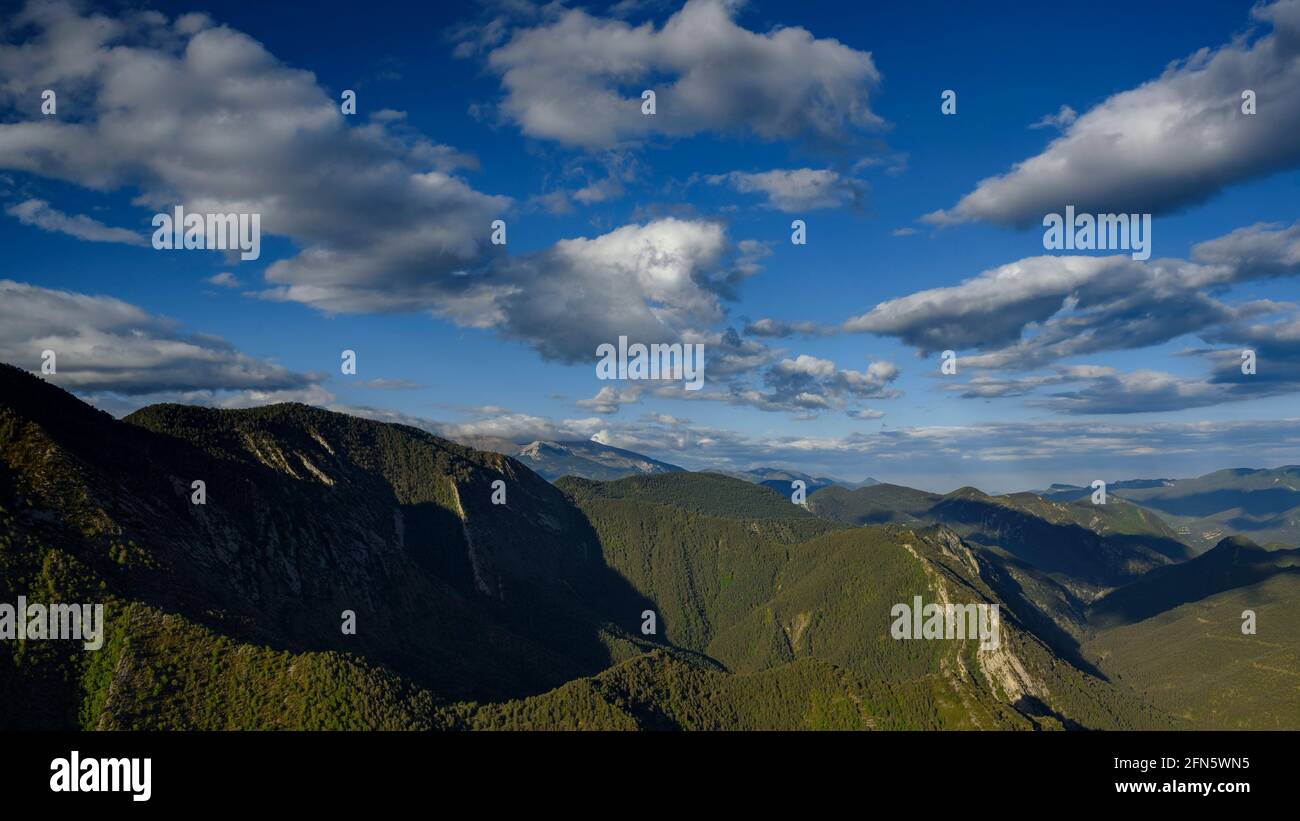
(231, 549)
(782, 480)
(586, 459)
(589, 459)
(1263, 504)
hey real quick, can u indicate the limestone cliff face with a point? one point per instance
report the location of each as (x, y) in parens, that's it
(958, 580)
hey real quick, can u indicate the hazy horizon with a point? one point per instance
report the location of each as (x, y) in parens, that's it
(685, 461)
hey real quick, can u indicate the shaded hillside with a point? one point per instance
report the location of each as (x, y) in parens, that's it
(782, 480)
(1091, 547)
(755, 596)
(308, 514)
(1234, 563)
(1261, 504)
(226, 614)
(703, 547)
(470, 614)
(875, 505)
(662, 691)
(707, 493)
(1177, 637)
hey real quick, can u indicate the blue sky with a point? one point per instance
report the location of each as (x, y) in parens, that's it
(822, 357)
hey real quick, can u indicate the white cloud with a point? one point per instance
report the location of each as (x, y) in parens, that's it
(610, 399)
(1038, 310)
(804, 365)
(798, 189)
(518, 427)
(38, 213)
(1256, 251)
(225, 279)
(104, 345)
(806, 385)
(1171, 142)
(651, 283)
(382, 222)
(169, 110)
(578, 79)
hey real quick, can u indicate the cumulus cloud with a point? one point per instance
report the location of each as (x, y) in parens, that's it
(1039, 310)
(38, 213)
(169, 107)
(658, 282)
(1095, 389)
(1172, 142)
(1255, 252)
(994, 308)
(610, 400)
(729, 354)
(655, 282)
(808, 374)
(803, 385)
(381, 220)
(578, 79)
(107, 346)
(1276, 346)
(798, 189)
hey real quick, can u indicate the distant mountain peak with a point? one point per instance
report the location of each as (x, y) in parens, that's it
(968, 492)
(780, 479)
(587, 459)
